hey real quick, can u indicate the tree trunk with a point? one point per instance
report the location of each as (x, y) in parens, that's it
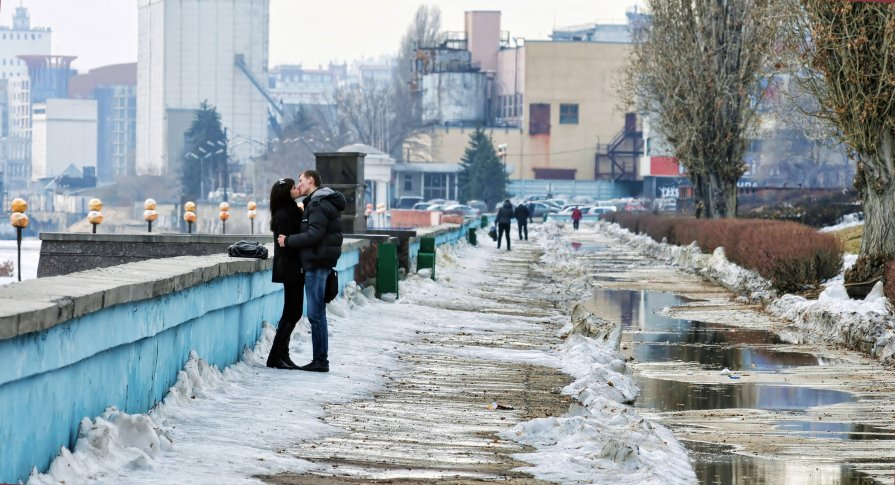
(719, 197)
(879, 232)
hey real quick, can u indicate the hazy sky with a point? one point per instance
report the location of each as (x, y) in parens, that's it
(309, 32)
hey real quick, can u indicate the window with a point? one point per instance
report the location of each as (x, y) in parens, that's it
(539, 119)
(408, 182)
(435, 186)
(568, 114)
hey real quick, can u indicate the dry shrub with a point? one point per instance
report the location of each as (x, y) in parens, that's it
(889, 281)
(7, 268)
(792, 256)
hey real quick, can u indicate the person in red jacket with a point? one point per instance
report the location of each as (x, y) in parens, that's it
(576, 217)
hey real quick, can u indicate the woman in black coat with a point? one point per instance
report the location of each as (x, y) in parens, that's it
(285, 218)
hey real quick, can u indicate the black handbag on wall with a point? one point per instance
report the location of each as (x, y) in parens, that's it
(246, 249)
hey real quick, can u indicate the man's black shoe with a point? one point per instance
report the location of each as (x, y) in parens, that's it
(315, 367)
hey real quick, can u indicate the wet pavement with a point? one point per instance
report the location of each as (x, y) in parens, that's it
(750, 407)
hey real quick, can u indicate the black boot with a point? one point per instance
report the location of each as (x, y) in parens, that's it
(316, 366)
(280, 345)
(287, 337)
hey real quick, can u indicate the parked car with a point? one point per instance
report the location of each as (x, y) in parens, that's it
(542, 208)
(462, 209)
(599, 211)
(435, 207)
(420, 206)
(436, 201)
(408, 202)
(478, 204)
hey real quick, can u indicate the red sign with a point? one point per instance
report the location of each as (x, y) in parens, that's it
(664, 166)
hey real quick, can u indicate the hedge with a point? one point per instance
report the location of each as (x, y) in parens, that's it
(792, 256)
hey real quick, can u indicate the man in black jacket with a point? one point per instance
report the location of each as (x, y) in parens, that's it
(319, 242)
(522, 217)
(503, 219)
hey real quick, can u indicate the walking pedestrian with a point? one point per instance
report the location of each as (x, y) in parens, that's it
(504, 219)
(285, 218)
(576, 217)
(319, 241)
(531, 211)
(522, 215)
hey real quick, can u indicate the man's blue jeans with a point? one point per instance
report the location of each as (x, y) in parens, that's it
(315, 291)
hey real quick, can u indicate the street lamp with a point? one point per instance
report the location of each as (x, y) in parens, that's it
(252, 214)
(189, 215)
(149, 214)
(19, 220)
(95, 216)
(224, 215)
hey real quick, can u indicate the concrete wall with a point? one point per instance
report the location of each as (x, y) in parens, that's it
(453, 97)
(76, 344)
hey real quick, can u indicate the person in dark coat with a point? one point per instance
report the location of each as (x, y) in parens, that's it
(285, 218)
(531, 211)
(522, 217)
(319, 241)
(504, 219)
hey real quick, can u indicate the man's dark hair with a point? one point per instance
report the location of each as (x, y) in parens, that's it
(314, 175)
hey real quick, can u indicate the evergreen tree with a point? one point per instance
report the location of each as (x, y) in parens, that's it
(204, 153)
(482, 173)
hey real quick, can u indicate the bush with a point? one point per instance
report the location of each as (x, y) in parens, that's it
(7, 268)
(792, 256)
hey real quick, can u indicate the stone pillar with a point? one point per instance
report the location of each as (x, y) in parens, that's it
(344, 172)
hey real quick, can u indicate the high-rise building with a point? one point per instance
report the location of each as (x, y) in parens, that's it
(192, 51)
(114, 88)
(15, 145)
(64, 135)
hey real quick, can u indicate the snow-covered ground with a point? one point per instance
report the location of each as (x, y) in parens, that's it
(30, 257)
(832, 318)
(848, 220)
(237, 423)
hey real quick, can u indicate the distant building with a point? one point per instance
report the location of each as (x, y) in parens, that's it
(196, 50)
(553, 103)
(15, 145)
(114, 88)
(294, 85)
(64, 134)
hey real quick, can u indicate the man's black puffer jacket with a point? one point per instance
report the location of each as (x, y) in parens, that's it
(319, 238)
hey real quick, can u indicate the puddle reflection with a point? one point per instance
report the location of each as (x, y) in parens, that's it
(718, 465)
(665, 395)
(658, 338)
(838, 431)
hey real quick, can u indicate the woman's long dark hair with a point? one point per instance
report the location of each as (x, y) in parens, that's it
(281, 198)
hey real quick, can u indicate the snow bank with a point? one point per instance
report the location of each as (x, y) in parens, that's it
(602, 439)
(847, 221)
(865, 325)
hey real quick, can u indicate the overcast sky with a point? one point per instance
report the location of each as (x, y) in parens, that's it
(308, 32)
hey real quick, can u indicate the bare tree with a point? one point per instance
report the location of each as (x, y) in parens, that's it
(844, 52)
(695, 67)
(384, 115)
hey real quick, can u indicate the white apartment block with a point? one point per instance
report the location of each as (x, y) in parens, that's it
(20, 40)
(186, 55)
(63, 133)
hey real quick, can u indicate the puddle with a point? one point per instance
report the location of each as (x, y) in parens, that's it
(719, 465)
(837, 431)
(657, 338)
(667, 395)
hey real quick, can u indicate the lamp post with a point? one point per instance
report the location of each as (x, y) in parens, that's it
(189, 215)
(19, 220)
(95, 216)
(252, 214)
(224, 215)
(149, 214)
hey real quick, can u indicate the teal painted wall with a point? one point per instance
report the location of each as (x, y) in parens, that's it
(128, 356)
